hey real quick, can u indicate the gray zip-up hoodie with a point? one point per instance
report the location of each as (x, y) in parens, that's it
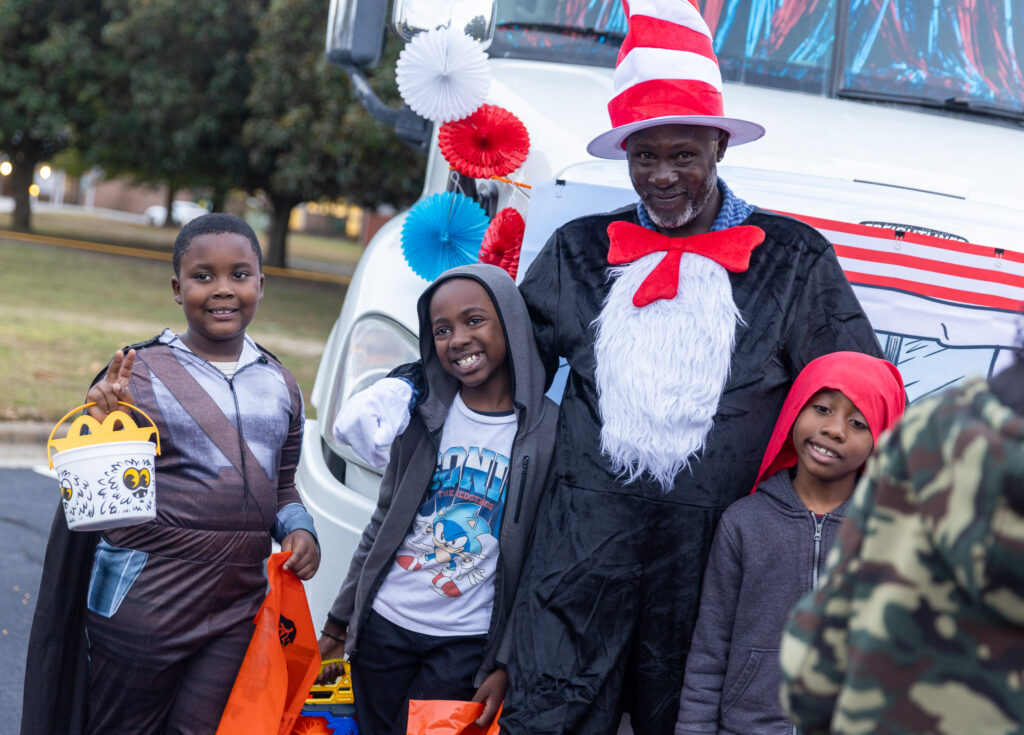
(414, 457)
(768, 551)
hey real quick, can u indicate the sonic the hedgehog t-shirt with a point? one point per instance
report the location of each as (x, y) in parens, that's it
(442, 579)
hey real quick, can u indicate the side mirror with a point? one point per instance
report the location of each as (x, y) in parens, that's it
(355, 33)
(475, 18)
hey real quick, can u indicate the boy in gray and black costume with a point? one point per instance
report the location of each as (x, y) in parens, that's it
(168, 605)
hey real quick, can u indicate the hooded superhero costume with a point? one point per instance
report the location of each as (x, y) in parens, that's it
(193, 576)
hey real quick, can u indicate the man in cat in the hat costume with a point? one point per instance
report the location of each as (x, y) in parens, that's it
(681, 352)
(679, 366)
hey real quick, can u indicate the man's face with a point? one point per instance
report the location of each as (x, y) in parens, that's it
(674, 170)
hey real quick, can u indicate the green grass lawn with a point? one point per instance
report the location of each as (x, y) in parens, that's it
(63, 312)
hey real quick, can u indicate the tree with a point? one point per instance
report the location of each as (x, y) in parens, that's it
(176, 93)
(48, 82)
(222, 94)
(308, 136)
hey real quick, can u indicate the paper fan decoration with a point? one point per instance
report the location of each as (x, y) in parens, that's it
(443, 75)
(441, 232)
(503, 240)
(490, 142)
(510, 261)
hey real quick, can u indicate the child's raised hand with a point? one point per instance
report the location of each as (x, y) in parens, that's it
(491, 693)
(113, 387)
(305, 558)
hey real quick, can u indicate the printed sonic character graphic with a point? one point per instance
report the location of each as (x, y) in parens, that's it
(455, 547)
(125, 487)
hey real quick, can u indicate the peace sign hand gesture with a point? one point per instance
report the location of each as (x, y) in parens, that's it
(113, 387)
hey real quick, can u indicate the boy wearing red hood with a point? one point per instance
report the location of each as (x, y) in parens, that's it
(770, 547)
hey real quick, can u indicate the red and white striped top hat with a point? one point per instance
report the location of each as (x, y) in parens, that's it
(666, 73)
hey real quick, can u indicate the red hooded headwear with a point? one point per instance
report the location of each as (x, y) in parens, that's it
(874, 386)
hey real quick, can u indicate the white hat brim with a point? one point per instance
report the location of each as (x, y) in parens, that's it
(610, 143)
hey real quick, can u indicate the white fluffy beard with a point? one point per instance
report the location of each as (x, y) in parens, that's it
(661, 368)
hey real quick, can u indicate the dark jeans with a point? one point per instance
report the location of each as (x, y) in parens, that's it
(394, 665)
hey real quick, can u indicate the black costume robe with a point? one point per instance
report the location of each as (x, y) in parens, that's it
(605, 616)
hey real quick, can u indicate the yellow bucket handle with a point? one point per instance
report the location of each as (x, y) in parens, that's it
(69, 414)
(338, 691)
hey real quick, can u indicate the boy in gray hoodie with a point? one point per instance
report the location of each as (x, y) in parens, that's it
(424, 610)
(770, 546)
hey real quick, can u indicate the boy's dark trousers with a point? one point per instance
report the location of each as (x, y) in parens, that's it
(394, 665)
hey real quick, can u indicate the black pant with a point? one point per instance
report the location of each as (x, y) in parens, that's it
(394, 665)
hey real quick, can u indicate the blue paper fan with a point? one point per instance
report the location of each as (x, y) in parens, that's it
(441, 232)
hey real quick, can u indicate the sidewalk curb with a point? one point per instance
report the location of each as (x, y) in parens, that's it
(23, 444)
(25, 432)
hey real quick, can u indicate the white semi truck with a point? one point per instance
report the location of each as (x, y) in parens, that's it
(895, 127)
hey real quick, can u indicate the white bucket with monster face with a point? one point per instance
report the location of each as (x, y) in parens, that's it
(106, 471)
(107, 485)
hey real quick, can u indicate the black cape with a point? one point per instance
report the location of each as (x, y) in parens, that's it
(57, 669)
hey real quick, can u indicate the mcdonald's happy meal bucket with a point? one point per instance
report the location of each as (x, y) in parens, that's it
(106, 474)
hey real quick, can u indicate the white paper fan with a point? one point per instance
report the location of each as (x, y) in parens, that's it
(443, 75)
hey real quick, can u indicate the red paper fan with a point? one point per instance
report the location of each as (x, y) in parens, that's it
(510, 262)
(503, 240)
(490, 142)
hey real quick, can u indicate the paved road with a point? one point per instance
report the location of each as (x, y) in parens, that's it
(27, 501)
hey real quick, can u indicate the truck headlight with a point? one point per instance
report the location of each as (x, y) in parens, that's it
(375, 346)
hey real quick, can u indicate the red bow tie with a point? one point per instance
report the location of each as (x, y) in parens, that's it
(729, 248)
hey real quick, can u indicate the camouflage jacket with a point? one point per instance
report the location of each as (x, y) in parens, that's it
(919, 626)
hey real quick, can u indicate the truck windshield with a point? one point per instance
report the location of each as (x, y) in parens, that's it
(568, 31)
(959, 56)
